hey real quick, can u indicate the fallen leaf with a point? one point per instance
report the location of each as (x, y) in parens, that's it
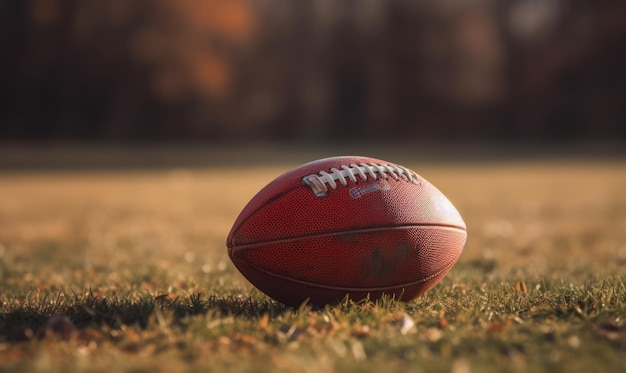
(443, 322)
(499, 326)
(264, 321)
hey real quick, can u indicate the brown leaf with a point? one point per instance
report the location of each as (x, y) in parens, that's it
(265, 321)
(443, 322)
(520, 287)
(499, 326)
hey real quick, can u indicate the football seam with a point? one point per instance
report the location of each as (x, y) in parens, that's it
(251, 214)
(447, 267)
(350, 231)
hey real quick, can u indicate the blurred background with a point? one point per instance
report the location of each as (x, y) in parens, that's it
(312, 70)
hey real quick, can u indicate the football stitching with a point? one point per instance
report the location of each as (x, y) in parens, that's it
(321, 182)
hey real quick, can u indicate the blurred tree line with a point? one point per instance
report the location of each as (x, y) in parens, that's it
(312, 69)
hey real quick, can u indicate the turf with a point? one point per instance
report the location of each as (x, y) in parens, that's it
(126, 270)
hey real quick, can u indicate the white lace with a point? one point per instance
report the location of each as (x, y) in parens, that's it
(320, 182)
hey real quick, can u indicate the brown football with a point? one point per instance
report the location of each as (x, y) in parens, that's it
(354, 226)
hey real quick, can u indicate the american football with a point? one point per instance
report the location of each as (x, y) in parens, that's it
(346, 226)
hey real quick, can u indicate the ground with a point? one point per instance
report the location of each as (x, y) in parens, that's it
(125, 269)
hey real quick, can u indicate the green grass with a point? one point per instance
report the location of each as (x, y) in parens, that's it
(128, 271)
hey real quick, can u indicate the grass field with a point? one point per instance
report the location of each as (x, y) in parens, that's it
(126, 270)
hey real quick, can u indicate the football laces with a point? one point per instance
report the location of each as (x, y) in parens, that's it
(320, 182)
